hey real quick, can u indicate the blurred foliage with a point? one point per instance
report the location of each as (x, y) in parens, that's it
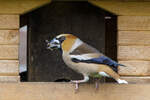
(95, 75)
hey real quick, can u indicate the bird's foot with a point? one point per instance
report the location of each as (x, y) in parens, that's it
(86, 78)
(76, 85)
(97, 84)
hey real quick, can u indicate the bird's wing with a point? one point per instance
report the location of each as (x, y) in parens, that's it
(87, 54)
(84, 49)
(98, 60)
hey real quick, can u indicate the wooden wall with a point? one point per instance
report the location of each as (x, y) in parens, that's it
(9, 42)
(134, 45)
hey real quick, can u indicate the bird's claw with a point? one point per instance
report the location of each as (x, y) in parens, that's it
(97, 84)
(76, 85)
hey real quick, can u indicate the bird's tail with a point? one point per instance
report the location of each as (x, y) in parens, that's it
(122, 65)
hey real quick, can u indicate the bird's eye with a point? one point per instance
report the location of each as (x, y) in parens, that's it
(61, 39)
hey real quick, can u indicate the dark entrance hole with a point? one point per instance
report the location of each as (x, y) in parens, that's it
(91, 24)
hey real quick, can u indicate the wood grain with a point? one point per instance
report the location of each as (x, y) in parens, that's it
(9, 21)
(134, 38)
(120, 7)
(134, 23)
(9, 79)
(9, 37)
(133, 52)
(20, 6)
(8, 52)
(135, 68)
(137, 80)
(128, 0)
(9, 67)
(63, 91)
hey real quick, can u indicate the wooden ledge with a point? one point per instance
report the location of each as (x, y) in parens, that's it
(137, 79)
(119, 7)
(64, 91)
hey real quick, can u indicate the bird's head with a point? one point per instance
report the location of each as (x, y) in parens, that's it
(62, 41)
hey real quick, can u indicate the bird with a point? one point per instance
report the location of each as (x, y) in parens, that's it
(84, 59)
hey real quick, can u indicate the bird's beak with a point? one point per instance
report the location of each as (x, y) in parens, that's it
(48, 45)
(51, 45)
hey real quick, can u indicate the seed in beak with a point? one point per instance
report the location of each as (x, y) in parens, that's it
(46, 41)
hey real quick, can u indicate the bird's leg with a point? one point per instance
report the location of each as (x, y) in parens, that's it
(97, 84)
(86, 78)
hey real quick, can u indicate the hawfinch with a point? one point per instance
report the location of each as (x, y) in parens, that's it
(84, 59)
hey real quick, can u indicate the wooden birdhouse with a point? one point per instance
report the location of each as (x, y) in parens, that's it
(118, 28)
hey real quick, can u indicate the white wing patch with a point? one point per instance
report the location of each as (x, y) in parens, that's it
(81, 57)
(77, 43)
(104, 74)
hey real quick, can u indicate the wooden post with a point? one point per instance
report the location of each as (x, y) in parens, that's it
(9, 41)
(134, 46)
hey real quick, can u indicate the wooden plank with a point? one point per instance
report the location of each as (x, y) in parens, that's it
(10, 79)
(133, 52)
(9, 67)
(9, 21)
(127, 0)
(117, 7)
(9, 37)
(62, 91)
(20, 6)
(8, 52)
(135, 68)
(134, 23)
(134, 38)
(137, 80)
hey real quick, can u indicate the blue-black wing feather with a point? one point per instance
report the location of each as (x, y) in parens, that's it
(101, 60)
